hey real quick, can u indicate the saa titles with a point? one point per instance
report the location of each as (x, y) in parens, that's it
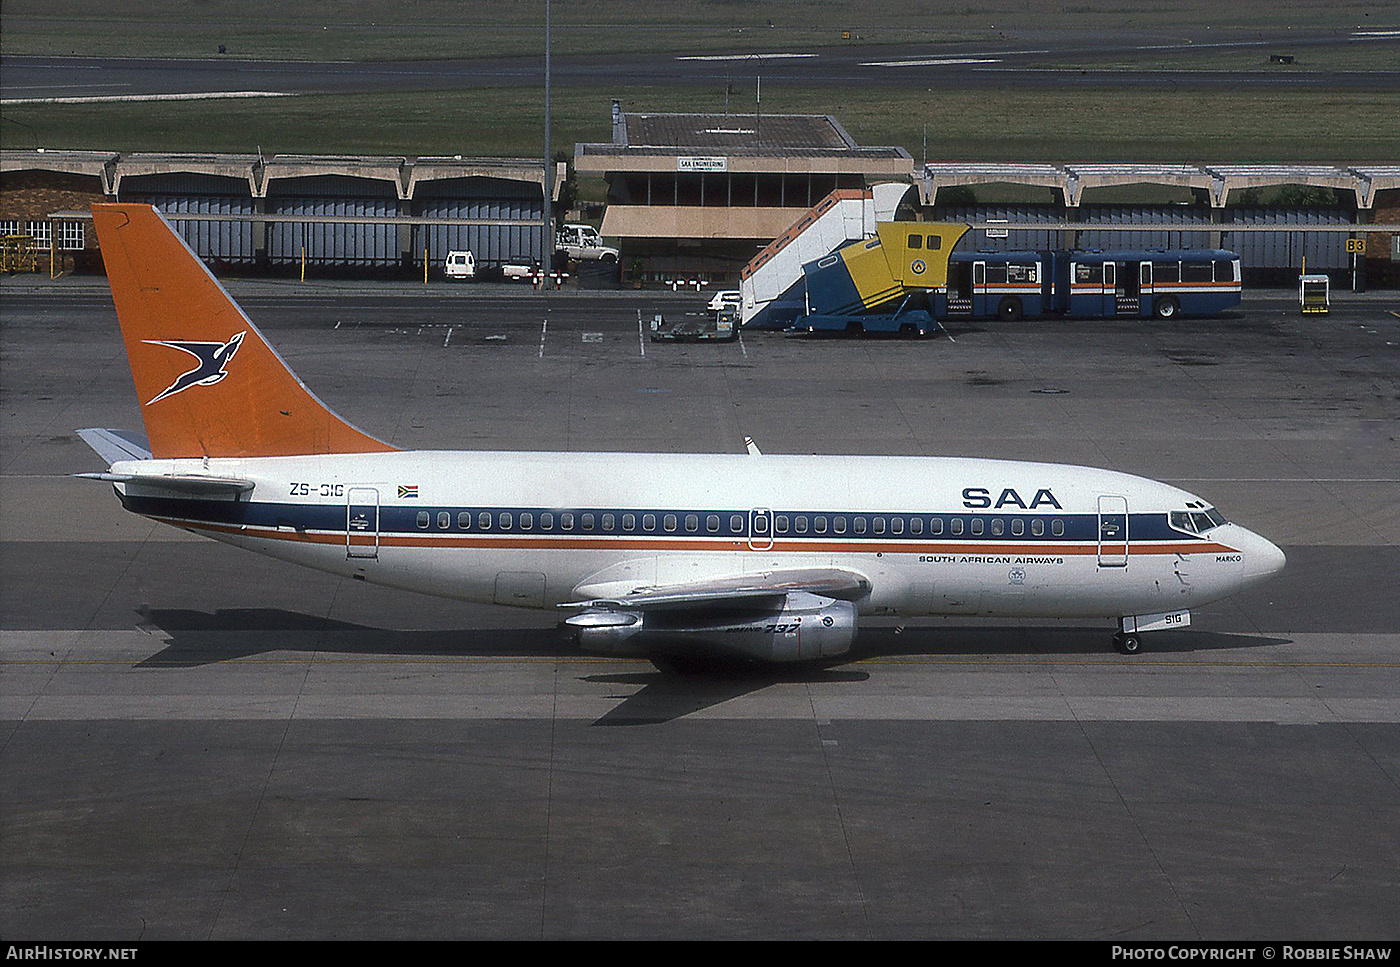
(980, 498)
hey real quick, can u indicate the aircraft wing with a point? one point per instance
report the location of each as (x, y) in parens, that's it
(834, 583)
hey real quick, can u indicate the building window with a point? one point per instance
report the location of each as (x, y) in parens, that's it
(9, 228)
(41, 232)
(70, 236)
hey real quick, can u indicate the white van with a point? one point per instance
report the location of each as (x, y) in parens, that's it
(461, 265)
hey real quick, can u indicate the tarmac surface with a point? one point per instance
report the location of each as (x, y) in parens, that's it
(1027, 57)
(196, 742)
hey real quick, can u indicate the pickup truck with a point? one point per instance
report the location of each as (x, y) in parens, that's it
(520, 270)
(582, 244)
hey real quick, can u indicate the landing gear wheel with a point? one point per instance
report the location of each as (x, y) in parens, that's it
(1128, 644)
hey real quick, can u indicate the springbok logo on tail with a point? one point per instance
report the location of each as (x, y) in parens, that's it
(212, 356)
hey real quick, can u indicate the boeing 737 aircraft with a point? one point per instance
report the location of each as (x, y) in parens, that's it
(771, 557)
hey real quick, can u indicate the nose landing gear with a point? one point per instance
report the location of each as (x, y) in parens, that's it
(1128, 638)
(1126, 643)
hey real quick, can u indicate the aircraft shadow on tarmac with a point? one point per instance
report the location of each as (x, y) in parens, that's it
(680, 684)
(201, 638)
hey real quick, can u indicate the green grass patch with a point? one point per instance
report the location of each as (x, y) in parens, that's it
(1098, 124)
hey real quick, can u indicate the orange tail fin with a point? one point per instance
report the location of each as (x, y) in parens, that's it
(208, 382)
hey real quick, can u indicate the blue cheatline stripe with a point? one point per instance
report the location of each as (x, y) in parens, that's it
(401, 520)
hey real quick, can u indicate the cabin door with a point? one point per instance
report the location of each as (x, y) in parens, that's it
(1113, 531)
(760, 529)
(362, 522)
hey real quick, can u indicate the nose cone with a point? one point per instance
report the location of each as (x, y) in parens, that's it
(1262, 558)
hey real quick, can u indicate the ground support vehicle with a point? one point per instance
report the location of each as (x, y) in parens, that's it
(720, 326)
(1314, 294)
(907, 267)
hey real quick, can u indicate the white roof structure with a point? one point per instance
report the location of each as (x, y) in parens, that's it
(1217, 179)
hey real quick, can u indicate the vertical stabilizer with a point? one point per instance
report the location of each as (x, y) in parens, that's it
(209, 384)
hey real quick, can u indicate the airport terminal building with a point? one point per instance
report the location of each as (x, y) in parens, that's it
(690, 198)
(695, 196)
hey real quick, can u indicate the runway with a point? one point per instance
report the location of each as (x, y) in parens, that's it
(1037, 58)
(200, 743)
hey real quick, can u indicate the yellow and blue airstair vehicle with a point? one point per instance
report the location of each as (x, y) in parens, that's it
(883, 283)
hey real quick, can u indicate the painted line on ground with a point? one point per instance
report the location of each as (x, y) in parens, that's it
(745, 56)
(938, 62)
(99, 98)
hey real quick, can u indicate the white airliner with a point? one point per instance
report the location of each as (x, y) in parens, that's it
(771, 557)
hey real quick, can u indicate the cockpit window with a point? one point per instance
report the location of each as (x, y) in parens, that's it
(1196, 521)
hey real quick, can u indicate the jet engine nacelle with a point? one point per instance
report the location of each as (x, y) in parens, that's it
(802, 626)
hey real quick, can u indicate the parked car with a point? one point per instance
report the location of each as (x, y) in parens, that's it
(461, 266)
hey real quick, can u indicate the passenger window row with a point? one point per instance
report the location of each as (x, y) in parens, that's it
(840, 524)
(934, 526)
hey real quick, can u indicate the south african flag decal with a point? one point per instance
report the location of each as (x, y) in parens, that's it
(407, 492)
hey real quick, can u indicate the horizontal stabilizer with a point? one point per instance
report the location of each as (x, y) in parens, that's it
(828, 582)
(117, 445)
(186, 485)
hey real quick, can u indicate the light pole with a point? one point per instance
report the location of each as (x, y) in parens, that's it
(547, 262)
